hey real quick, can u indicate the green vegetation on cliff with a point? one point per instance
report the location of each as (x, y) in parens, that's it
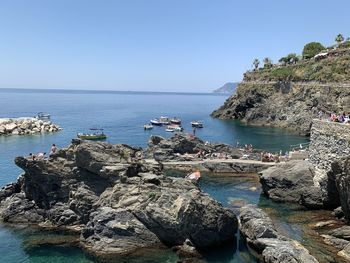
(333, 67)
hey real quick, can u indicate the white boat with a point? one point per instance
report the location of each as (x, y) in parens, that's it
(148, 127)
(197, 124)
(156, 122)
(164, 120)
(160, 121)
(175, 128)
(169, 130)
(43, 116)
(175, 121)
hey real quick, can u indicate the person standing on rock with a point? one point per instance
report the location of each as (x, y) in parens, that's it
(53, 149)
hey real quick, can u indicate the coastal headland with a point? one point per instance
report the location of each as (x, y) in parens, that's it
(292, 93)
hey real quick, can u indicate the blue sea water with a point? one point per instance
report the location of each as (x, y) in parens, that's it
(122, 115)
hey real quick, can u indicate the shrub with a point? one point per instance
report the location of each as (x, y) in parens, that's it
(312, 49)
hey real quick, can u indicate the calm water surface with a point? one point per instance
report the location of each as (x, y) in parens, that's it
(122, 115)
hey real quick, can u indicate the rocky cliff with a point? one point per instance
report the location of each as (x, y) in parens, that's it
(291, 96)
(119, 204)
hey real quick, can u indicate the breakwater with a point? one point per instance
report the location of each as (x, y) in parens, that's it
(26, 125)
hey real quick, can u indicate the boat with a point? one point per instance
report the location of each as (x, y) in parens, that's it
(96, 135)
(194, 176)
(164, 120)
(42, 116)
(148, 127)
(175, 127)
(160, 121)
(169, 130)
(176, 121)
(197, 124)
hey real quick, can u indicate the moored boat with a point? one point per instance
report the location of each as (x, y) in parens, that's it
(42, 116)
(176, 121)
(97, 135)
(148, 127)
(197, 124)
(160, 121)
(156, 122)
(175, 127)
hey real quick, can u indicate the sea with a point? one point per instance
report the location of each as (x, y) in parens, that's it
(122, 116)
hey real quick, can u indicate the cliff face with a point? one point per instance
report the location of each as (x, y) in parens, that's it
(291, 96)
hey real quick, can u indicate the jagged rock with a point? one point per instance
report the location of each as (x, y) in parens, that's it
(263, 237)
(121, 204)
(338, 212)
(292, 182)
(162, 149)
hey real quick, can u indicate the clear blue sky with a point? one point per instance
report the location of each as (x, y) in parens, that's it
(159, 45)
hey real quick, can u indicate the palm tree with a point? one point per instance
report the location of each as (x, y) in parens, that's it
(339, 39)
(256, 63)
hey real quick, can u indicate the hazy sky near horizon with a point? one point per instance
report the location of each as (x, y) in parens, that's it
(155, 45)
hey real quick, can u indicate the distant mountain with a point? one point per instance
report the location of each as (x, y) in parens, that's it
(229, 88)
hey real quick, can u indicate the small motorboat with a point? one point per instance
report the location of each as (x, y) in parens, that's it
(175, 128)
(148, 127)
(156, 122)
(169, 130)
(160, 121)
(194, 176)
(176, 121)
(164, 120)
(96, 135)
(42, 116)
(197, 124)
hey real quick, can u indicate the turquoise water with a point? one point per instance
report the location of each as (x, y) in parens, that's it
(122, 115)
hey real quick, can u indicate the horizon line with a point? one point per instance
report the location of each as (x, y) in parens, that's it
(108, 91)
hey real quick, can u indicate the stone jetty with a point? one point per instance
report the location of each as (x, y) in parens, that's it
(26, 125)
(119, 204)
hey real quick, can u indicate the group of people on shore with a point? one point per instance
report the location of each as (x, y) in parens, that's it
(42, 155)
(342, 118)
(278, 157)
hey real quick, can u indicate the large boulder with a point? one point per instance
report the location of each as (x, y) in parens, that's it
(292, 182)
(120, 203)
(262, 236)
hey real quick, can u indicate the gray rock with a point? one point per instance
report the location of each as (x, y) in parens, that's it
(292, 182)
(121, 204)
(263, 237)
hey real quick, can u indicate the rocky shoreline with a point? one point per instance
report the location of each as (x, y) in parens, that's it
(262, 236)
(119, 205)
(24, 126)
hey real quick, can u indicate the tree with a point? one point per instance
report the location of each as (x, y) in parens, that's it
(256, 63)
(312, 49)
(291, 58)
(267, 63)
(339, 39)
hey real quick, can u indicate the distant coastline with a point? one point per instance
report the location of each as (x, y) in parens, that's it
(125, 92)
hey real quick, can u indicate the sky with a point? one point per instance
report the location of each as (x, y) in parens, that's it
(154, 45)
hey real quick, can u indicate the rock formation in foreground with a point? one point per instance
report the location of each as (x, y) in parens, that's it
(263, 237)
(117, 204)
